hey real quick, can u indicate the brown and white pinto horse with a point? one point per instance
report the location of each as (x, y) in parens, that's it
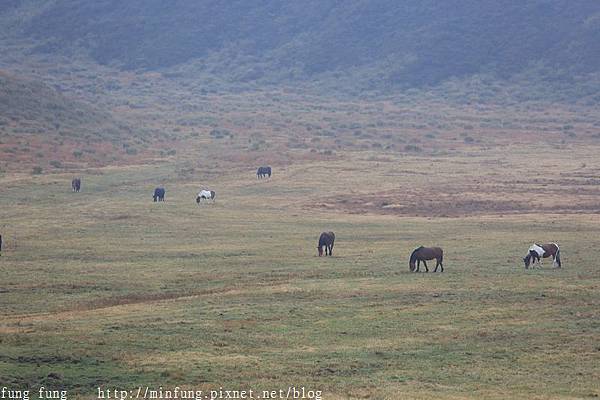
(426, 253)
(326, 240)
(539, 251)
(205, 195)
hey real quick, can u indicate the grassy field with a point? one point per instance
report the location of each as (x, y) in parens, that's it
(105, 288)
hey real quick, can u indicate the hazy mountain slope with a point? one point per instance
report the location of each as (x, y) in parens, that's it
(41, 126)
(406, 43)
(32, 104)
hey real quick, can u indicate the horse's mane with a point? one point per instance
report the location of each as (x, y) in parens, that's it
(413, 256)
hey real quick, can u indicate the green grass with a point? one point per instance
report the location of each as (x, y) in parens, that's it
(106, 288)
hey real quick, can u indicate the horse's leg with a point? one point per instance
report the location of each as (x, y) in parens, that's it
(437, 263)
(425, 264)
(418, 265)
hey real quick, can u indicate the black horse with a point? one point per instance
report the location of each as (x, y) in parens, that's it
(76, 184)
(326, 240)
(159, 194)
(263, 171)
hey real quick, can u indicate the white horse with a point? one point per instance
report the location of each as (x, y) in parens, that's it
(205, 195)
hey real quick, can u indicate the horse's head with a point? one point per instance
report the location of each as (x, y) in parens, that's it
(320, 250)
(527, 260)
(413, 258)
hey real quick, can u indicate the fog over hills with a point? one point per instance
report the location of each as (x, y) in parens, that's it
(376, 45)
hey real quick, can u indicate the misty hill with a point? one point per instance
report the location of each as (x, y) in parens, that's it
(39, 125)
(408, 43)
(29, 107)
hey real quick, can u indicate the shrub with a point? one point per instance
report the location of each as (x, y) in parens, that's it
(412, 147)
(220, 133)
(37, 171)
(56, 164)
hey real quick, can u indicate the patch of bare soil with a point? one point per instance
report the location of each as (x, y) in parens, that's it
(559, 196)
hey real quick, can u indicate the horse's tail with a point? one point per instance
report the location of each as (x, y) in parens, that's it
(557, 257)
(441, 256)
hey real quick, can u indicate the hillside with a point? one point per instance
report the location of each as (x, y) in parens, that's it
(105, 81)
(39, 125)
(26, 102)
(378, 45)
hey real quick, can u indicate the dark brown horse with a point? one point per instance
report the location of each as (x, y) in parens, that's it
(426, 253)
(76, 184)
(326, 240)
(539, 251)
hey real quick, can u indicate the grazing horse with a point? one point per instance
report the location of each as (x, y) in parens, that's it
(263, 171)
(205, 195)
(539, 251)
(76, 184)
(426, 253)
(326, 240)
(159, 194)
